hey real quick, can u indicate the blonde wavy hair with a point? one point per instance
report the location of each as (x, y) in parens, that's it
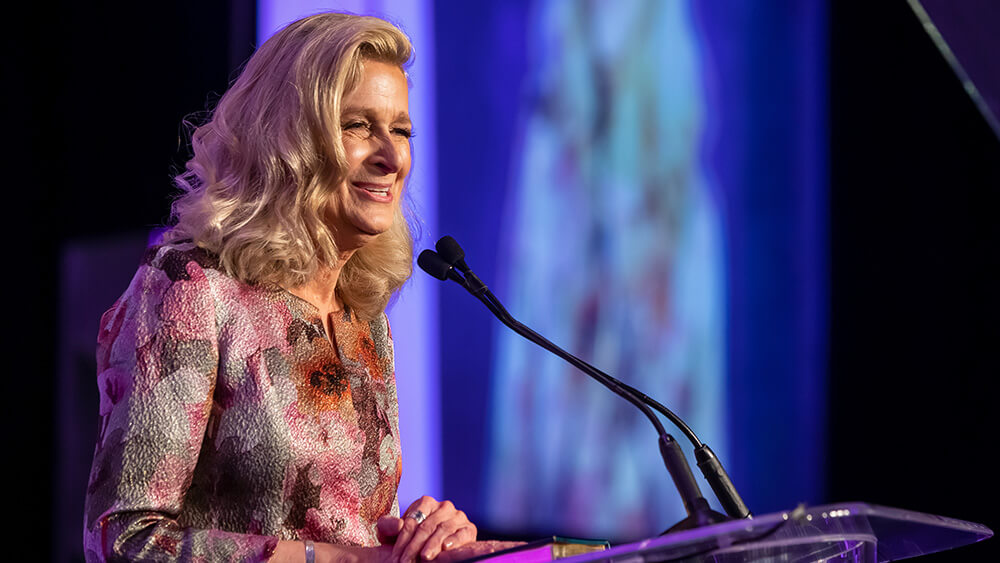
(265, 164)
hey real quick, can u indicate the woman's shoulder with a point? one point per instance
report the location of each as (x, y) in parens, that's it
(175, 259)
(176, 272)
(171, 291)
(184, 261)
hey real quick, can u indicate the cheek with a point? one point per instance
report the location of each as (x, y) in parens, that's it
(354, 151)
(407, 160)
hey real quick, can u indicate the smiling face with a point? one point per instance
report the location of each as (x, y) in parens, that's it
(375, 130)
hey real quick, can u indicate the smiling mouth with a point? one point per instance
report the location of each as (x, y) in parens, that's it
(380, 189)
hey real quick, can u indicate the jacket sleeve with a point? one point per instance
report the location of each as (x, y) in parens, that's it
(157, 362)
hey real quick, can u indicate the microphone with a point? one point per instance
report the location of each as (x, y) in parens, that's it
(434, 265)
(452, 253)
(443, 266)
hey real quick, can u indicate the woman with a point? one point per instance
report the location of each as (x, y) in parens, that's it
(248, 404)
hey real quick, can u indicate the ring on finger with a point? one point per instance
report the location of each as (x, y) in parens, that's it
(417, 515)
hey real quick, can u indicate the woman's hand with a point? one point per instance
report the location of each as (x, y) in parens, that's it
(427, 528)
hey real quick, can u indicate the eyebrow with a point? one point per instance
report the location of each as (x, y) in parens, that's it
(401, 117)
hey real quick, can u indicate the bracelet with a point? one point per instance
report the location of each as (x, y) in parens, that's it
(310, 552)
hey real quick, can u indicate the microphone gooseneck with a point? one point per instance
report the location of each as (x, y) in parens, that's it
(450, 256)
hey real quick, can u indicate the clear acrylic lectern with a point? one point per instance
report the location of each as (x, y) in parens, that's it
(837, 532)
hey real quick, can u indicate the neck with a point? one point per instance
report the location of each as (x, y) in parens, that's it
(321, 289)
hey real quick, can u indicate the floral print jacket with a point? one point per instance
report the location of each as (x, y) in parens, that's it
(229, 419)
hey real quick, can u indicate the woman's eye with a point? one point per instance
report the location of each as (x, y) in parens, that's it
(403, 132)
(354, 125)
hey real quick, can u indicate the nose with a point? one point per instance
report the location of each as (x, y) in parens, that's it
(387, 155)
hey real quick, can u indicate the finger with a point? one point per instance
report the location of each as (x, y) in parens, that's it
(418, 541)
(464, 535)
(459, 532)
(387, 529)
(417, 513)
(402, 539)
(424, 504)
(435, 542)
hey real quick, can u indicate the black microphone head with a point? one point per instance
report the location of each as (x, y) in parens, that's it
(449, 250)
(433, 264)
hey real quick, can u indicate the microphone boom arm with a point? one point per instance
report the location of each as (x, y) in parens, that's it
(708, 462)
(699, 512)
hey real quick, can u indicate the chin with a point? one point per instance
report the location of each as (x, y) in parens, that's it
(377, 228)
(376, 225)
(373, 230)
(362, 229)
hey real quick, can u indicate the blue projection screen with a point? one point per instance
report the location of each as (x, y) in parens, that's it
(615, 253)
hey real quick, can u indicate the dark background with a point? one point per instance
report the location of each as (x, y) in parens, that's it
(914, 193)
(96, 95)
